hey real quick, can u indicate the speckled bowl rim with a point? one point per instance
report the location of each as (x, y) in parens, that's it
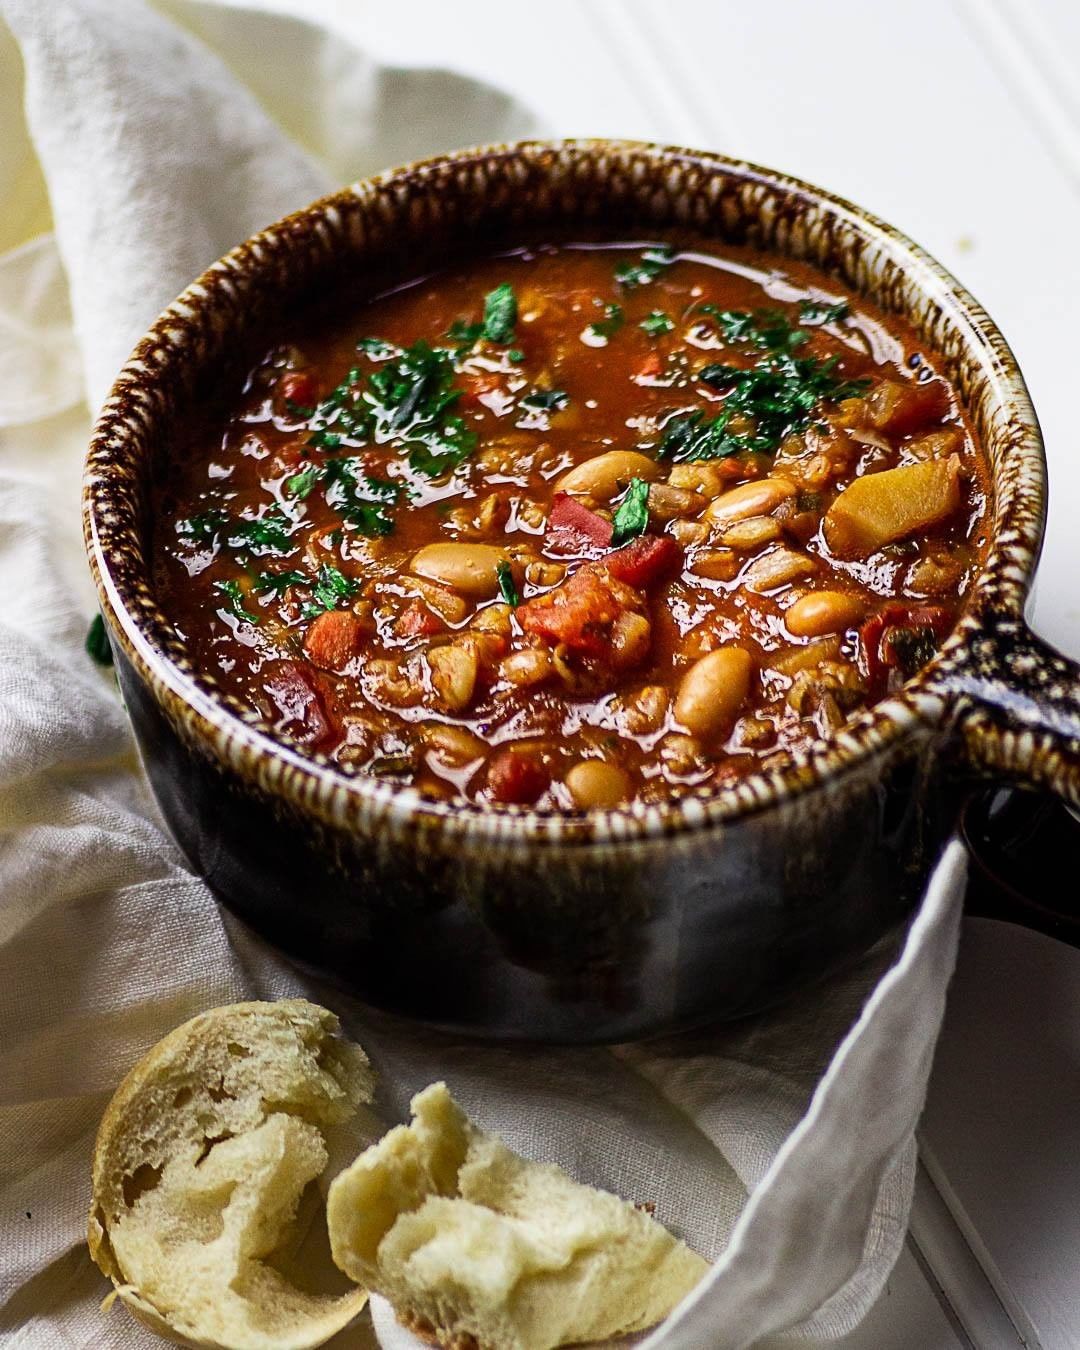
(353, 800)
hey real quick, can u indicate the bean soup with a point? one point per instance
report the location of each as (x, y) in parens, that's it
(576, 525)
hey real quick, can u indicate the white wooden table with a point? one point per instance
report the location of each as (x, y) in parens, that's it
(958, 121)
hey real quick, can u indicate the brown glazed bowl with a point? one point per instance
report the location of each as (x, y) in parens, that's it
(601, 926)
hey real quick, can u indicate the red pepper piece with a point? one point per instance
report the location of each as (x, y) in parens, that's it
(516, 776)
(573, 528)
(644, 560)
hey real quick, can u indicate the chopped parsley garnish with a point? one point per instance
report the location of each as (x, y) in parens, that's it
(546, 400)
(330, 587)
(266, 532)
(507, 589)
(692, 435)
(817, 312)
(300, 484)
(358, 498)
(235, 596)
(652, 262)
(203, 528)
(377, 348)
(610, 324)
(97, 642)
(657, 323)
(632, 517)
(776, 397)
(768, 329)
(408, 399)
(500, 314)
(463, 331)
(277, 583)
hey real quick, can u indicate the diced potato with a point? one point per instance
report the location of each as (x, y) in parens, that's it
(883, 507)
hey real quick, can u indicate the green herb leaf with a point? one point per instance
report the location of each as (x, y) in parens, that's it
(463, 331)
(277, 583)
(776, 396)
(500, 314)
(657, 323)
(301, 484)
(546, 400)
(201, 529)
(652, 262)
(358, 498)
(332, 586)
(97, 642)
(816, 312)
(769, 329)
(632, 517)
(235, 596)
(610, 324)
(377, 348)
(269, 532)
(408, 400)
(507, 589)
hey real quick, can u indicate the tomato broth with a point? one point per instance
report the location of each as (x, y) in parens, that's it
(575, 525)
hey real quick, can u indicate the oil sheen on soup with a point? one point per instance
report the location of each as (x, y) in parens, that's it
(576, 525)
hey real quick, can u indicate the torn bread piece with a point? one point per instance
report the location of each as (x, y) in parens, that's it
(204, 1172)
(479, 1249)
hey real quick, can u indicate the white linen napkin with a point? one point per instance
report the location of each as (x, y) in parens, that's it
(154, 138)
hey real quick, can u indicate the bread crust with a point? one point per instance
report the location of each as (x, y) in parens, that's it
(477, 1248)
(222, 1076)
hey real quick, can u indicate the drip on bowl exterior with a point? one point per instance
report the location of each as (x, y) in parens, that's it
(608, 925)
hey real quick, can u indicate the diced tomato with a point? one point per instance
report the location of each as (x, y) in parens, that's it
(418, 621)
(644, 560)
(573, 528)
(299, 701)
(334, 638)
(299, 387)
(479, 384)
(516, 776)
(652, 366)
(579, 612)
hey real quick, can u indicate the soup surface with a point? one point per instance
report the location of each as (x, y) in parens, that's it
(575, 525)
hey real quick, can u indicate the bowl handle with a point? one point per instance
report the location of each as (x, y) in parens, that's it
(1017, 708)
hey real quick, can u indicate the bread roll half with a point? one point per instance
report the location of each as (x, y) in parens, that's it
(201, 1161)
(478, 1249)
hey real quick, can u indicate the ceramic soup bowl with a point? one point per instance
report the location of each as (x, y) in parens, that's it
(607, 925)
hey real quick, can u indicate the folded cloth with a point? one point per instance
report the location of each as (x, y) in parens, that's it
(781, 1148)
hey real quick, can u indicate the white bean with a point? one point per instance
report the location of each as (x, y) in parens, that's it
(470, 569)
(604, 475)
(595, 783)
(713, 690)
